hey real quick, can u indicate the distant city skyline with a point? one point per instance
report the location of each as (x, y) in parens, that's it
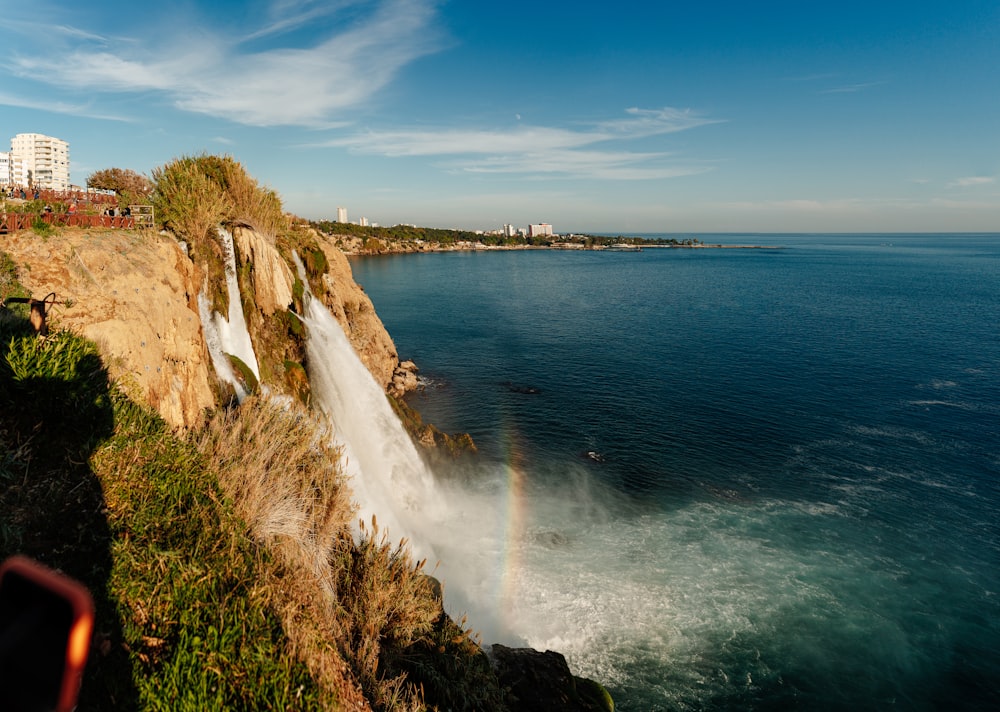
(633, 117)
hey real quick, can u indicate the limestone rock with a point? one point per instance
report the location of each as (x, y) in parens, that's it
(133, 294)
(272, 277)
(404, 379)
(350, 306)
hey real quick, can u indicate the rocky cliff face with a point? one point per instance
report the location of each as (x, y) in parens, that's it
(135, 295)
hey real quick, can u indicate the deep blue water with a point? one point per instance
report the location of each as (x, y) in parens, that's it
(796, 458)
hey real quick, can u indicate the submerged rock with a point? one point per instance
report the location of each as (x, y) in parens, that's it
(519, 388)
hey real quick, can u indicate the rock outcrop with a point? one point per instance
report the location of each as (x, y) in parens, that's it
(135, 294)
(542, 682)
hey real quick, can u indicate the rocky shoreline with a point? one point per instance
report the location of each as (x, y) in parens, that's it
(355, 246)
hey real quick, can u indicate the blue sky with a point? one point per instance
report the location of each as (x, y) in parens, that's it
(603, 117)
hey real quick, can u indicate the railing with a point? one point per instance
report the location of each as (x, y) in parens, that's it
(86, 197)
(13, 222)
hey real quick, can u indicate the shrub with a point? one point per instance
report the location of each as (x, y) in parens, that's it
(122, 181)
(196, 193)
(188, 201)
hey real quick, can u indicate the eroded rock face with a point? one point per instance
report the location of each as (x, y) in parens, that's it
(133, 294)
(350, 306)
(272, 277)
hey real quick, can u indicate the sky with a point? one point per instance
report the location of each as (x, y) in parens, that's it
(616, 117)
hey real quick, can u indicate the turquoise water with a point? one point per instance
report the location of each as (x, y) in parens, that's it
(752, 479)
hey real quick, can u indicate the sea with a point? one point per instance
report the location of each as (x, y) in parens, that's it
(722, 479)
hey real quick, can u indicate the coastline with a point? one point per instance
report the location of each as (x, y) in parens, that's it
(347, 246)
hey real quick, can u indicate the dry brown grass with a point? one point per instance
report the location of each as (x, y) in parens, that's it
(252, 204)
(346, 605)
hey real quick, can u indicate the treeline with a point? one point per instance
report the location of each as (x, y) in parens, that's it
(412, 233)
(445, 237)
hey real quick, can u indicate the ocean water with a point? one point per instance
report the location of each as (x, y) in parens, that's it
(723, 479)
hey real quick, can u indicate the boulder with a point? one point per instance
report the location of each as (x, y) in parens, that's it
(542, 682)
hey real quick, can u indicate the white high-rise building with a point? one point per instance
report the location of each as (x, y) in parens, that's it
(342, 215)
(45, 161)
(5, 170)
(539, 230)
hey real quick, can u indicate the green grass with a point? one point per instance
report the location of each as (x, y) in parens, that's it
(98, 486)
(208, 558)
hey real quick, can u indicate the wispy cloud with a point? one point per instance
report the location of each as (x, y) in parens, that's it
(972, 181)
(208, 72)
(85, 110)
(852, 88)
(288, 15)
(542, 150)
(604, 165)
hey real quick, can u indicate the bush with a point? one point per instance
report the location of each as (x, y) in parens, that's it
(193, 194)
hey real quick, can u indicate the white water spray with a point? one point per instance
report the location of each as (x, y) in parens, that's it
(388, 477)
(506, 578)
(228, 336)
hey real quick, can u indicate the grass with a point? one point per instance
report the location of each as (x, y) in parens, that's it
(392, 640)
(97, 485)
(223, 566)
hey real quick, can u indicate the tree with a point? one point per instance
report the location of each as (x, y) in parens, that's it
(120, 180)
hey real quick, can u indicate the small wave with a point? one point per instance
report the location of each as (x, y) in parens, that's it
(427, 383)
(938, 384)
(949, 404)
(894, 433)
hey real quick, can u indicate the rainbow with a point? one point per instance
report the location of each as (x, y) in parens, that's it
(513, 523)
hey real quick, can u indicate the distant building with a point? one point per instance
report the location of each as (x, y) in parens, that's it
(509, 230)
(5, 170)
(342, 215)
(44, 161)
(540, 230)
(364, 222)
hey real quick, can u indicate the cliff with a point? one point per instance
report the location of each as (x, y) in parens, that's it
(359, 615)
(135, 295)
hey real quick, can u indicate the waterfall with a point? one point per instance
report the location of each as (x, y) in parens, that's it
(230, 336)
(388, 477)
(459, 528)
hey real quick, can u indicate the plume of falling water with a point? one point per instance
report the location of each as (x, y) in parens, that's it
(228, 336)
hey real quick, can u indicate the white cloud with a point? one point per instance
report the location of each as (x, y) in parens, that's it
(604, 165)
(972, 181)
(207, 72)
(852, 88)
(542, 150)
(653, 122)
(59, 107)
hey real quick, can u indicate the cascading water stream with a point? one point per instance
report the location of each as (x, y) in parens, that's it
(230, 336)
(461, 530)
(389, 479)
